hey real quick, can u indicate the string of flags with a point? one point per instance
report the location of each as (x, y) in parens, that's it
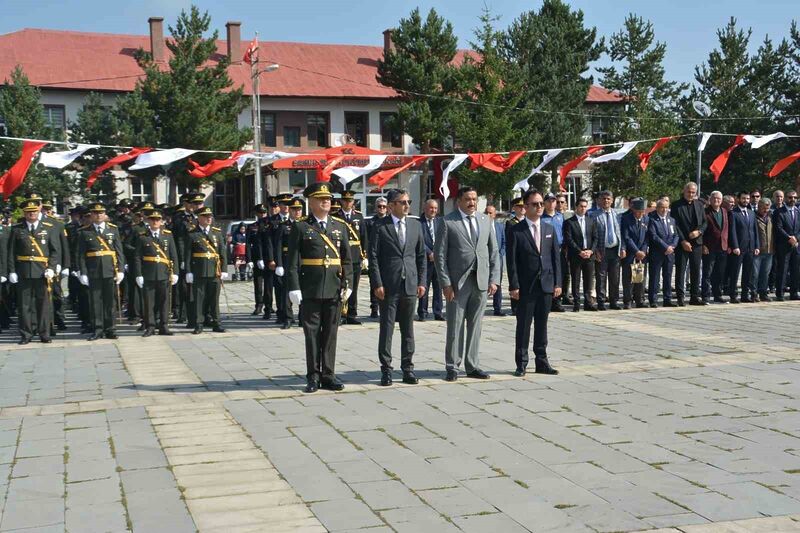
(348, 163)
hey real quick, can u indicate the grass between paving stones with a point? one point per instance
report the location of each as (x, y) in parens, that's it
(341, 433)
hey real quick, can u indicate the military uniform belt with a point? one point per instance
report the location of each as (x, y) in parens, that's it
(32, 258)
(204, 255)
(101, 253)
(320, 262)
(154, 259)
(285, 249)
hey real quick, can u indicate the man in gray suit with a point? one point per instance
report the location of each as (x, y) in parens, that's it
(468, 266)
(397, 265)
(609, 249)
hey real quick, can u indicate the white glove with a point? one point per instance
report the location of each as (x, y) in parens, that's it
(182, 265)
(84, 279)
(250, 264)
(260, 264)
(13, 277)
(173, 279)
(3, 279)
(119, 277)
(224, 276)
(365, 263)
(58, 270)
(125, 268)
(49, 274)
(279, 271)
(76, 273)
(296, 297)
(140, 281)
(347, 293)
(189, 278)
(64, 272)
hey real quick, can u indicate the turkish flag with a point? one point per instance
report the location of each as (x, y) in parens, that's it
(213, 166)
(324, 173)
(569, 166)
(16, 174)
(122, 158)
(382, 178)
(722, 159)
(644, 159)
(782, 165)
(494, 162)
(251, 54)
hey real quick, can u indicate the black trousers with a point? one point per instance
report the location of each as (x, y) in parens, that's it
(183, 299)
(74, 286)
(497, 298)
(397, 308)
(352, 302)
(84, 308)
(156, 297)
(660, 273)
(566, 275)
(607, 270)
(432, 289)
(788, 269)
(205, 293)
(57, 294)
(533, 308)
(694, 259)
(281, 299)
(33, 307)
(631, 292)
(134, 296)
(579, 267)
(714, 268)
(742, 263)
(103, 304)
(320, 319)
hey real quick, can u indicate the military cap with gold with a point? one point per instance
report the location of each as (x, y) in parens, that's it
(31, 205)
(283, 197)
(47, 203)
(33, 196)
(97, 207)
(153, 214)
(204, 211)
(146, 207)
(196, 198)
(517, 202)
(319, 189)
(259, 208)
(125, 203)
(295, 203)
(348, 195)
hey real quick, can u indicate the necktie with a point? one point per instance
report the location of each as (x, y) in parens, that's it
(430, 229)
(535, 231)
(473, 230)
(155, 235)
(582, 223)
(99, 229)
(31, 228)
(401, 232)
(609, 230)
(322, 225)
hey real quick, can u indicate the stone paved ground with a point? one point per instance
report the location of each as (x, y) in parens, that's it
(675, 418)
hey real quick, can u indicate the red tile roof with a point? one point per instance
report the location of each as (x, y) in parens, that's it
(105, 62)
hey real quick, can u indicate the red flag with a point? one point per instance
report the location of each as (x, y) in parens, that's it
(722, 159)
(781, 165)
(324, 174)
(213, 166)
(382, 178)
(122, 158)
(494, 162)
(569, 166)
(251, 54)
(16, 174)
(644, 159)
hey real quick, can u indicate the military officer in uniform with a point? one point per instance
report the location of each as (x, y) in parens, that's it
(72, 227)
(281, 235)
(63, 266)
(259, 255)
(33, 254)
(102, 264)
(154, 269)
(317, 273)
(184, 222)
(206, 256)
(358, 250)
(130, 233)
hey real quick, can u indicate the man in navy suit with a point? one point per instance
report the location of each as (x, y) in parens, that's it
(500, 231)
(430, 222)
(744, 247)
(634, 236)
(786, 221)
(663, 242)
(534, 278)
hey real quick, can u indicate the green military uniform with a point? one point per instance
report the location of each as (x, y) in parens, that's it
(33, 254)
(130, 233)
(102, 261)
(206, 255)
(281, 234)
(59, 229)
(319, 267)
(358, 252)
(259, 249)
(155, 262)
(183, 223)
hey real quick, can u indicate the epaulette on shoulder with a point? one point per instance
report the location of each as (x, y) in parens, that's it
(167, 232)
(216, 228)
(48, 224)
(302, 218)
(343, 221)
(112, 225)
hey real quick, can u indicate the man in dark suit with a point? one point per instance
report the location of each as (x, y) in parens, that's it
(517, 215)
(786, 221)
(664, 240)
(609, 249)
(715, 247)
(744, 247)
(634, 237)
(534, 278)
(430, 223)
(397, 263)
(380, 212)
(579, 240)
(689, 215)
(500, 231)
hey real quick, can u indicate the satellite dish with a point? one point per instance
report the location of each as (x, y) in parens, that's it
(701, 108)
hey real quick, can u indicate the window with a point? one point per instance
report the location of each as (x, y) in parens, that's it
(291, 136)
(596, 129)
(268, 129)
(226, 198)
(356, 126)
(55, 117)
(141, 190)
(390, 133)
(317, 129)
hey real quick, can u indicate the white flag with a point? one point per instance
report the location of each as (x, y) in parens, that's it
(757, 141)
(348, 174)
(62, 159)
(444, 189)
(242, 160)
(549, 156)
(616, 156)
(704, 142)
(161, 158)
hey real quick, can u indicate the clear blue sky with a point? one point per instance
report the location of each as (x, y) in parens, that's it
(687, 26)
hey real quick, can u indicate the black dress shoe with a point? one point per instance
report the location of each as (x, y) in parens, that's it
(386, 378)
(352, 321)
(409, 378)
(601, 307)
(93, 337)
(257, 310)
(218, 329)
(626, 306)
(720, 300)
(111, 335)
(334, 385)
(681, 303)
(439, 318)
(47, 340)
(197, 330)
(373, 314)
(590, 308)
(420, 318)
(499, 313)
(165, 331)
(452, 375)
(576, 308)
(519, 372)
(148, 332)
(286, 325)
(615, 307)
(668, 304)
(735, 300)
(24, 341)
(567, 301)
(312, 386)
(765, 297)
(652, 305)
(478, 374)
(557, 309)
(545, 368)
(697, 301)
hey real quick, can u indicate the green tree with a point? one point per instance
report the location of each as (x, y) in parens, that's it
(420, 68)
(553, 49)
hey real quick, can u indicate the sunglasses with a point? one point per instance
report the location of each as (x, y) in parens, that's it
(535, 204)
(402, 202)
(380, 206)
(562, 201)
(791, 197)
